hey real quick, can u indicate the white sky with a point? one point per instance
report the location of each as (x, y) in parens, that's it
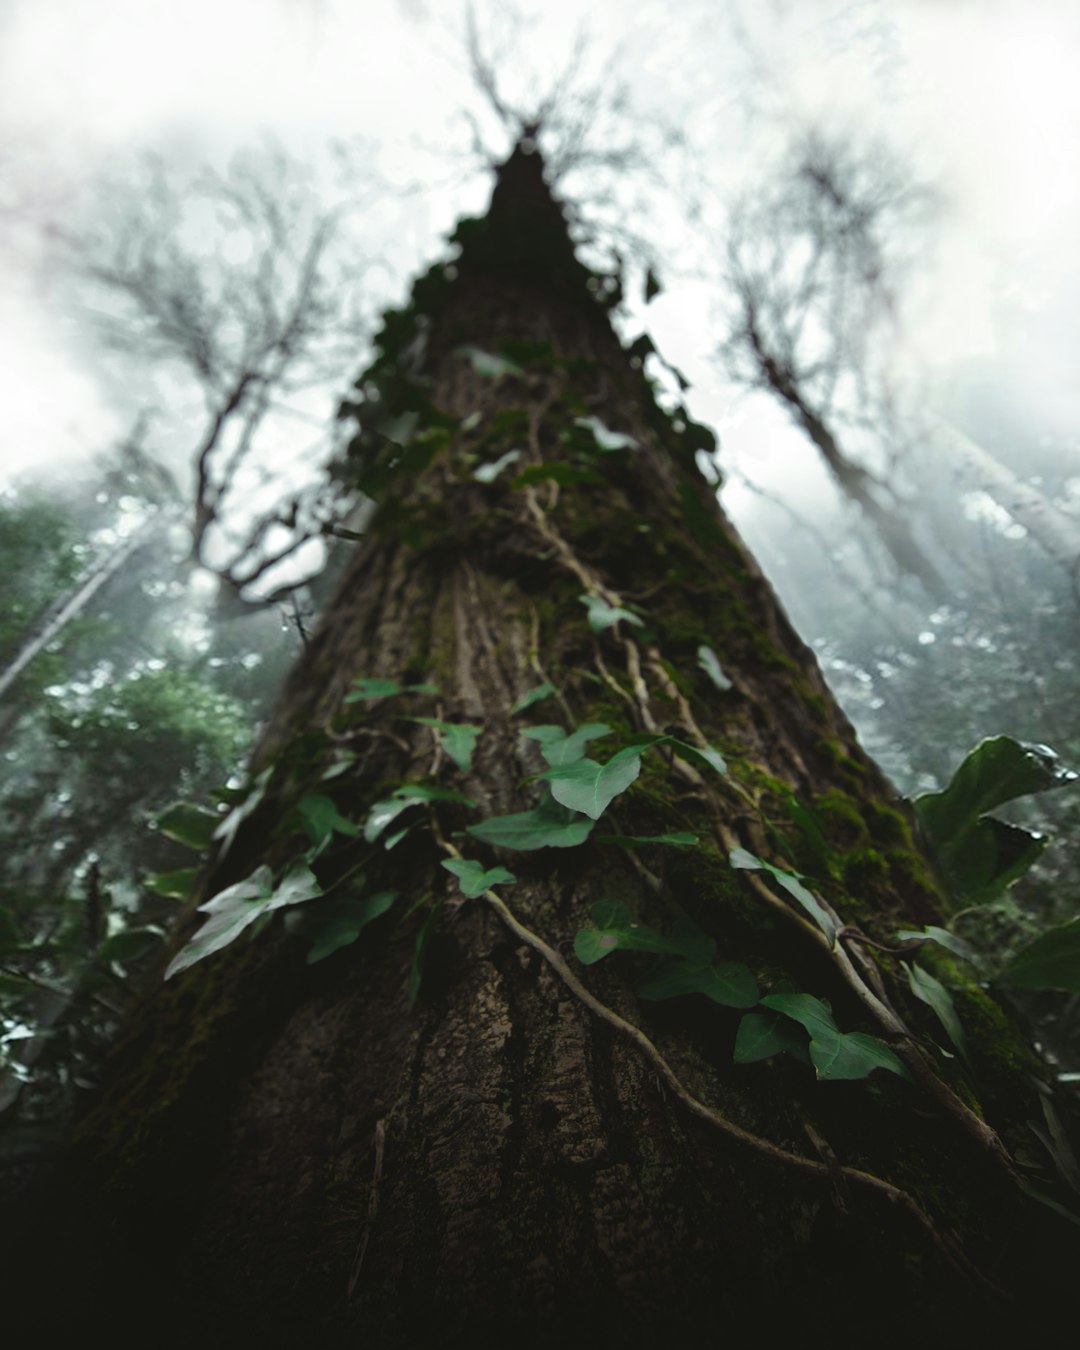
(983, 92)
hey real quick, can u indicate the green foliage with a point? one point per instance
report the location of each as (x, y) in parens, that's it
(560, 747)
(1052, 961)
(188, 824)
(764, 1034)
(589, 787)
(238, 906)
(555, 471)
(383, 813)
(979, 855)
(537, 695)
(338, 920)
(742, 858)
(616, 928)
(834, 1053)
(472, 878)
(458, 739)
(322, 820)
(421, 951)
(175, 885)
(934, 994)
(371, 688)
(548, 825)
(252, 799)
(682, 839)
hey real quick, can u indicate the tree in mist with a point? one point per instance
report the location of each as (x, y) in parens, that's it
(504, 1069)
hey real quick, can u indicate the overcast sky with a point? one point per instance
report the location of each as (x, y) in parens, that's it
(982, 94)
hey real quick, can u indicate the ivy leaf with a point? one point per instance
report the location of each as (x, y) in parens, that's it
(1052, 961)
(605, 440)
(486, 364)
(228, 828)
(934, 994)
(710, 664)
(684, 840)
(188, 824)
(322, 819)
(130, 944)
(560, 748)
(698, 753)
(730, 983)
(537, 695)
(835, 1054)
(235, 908)
(979, 855)
(590, 787)
(617, 929)
(764, 1034)
(339, 921)
(742, 858)
(383, 813)
(547, 826)
(566, 475)
(176, 885)
(487, 473)
(603, 616)
(472, 878)
(400, 429)
(458, 739)
(366, 688)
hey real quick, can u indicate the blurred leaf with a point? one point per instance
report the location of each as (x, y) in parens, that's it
(176, 885)
(547, 826)
(340, 920)
(934, 994)
(764, 1034)
(603, 616)
(364, 689)
(486, 364)
(835, 1054)
(606, 440)
(566, 475)
(537, 695)
(472, 878)
(617, 929)
(409, 794)
(730, 983)
(741, 858)
(1052, 961)
(131, 944)
(710, 664)
(685, 840)
(228, 828)
(589, 787)
(11, 938)
(322, 819)
(458, 739)
(559, 747)
(188, 824)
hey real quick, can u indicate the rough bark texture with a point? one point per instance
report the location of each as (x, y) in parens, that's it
(291, 1154)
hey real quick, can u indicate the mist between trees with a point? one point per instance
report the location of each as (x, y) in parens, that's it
(147, 633)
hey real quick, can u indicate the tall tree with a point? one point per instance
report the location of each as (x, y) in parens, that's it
(463, 1122)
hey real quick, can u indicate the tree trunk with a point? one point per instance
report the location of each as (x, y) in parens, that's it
(292, 1154)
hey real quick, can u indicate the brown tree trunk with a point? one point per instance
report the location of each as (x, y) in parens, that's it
(294, 1155)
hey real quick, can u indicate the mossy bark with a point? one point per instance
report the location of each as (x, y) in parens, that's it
(293, 1154)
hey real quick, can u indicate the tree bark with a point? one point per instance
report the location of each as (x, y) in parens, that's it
(290, 1154)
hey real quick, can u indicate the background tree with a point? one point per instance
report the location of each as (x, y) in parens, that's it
(544, 1146)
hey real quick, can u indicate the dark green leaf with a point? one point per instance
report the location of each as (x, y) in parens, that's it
(603, 616)
(764, 1034)
(340, 920)
(633, 840)
(11, 938)
(228, 828)
(741, 858)
(176, 885)
(188, 824)
(322, 819)
(1052, 961)
(537, 695)
(372, 688)
(458, 739)
(566, 475)
(730, 983)
(617, 929)
(383, 813)
(934, 994)
(835, 1054)
(943, 938)
(547, 826)
(420, 951)
(130, 944)
(472, 878)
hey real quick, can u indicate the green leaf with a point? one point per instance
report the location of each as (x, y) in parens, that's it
(130, 944)
(472, 878)
(486, 364)
(980, 856)
(835, 1054)
(685, 840)
(400, 429)
(809, 827)
(547, 826)
(710, 664)
(228, 828)
(340, 920)
(566, 475)
(176, 885)
(537, 695)
(322, 819)
(605, 440)
(617, 929)
(699, 754)
(603, 616)
(458, 739)
(487, 473)
(589, 787)
(934, 994)
(383, 813)
(943, 938)
(730, 983)
(188, 824)
(364, 689)
(741, 858)
(764, 1034)
(1052, 961)
(235, 908)
(559, 748)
